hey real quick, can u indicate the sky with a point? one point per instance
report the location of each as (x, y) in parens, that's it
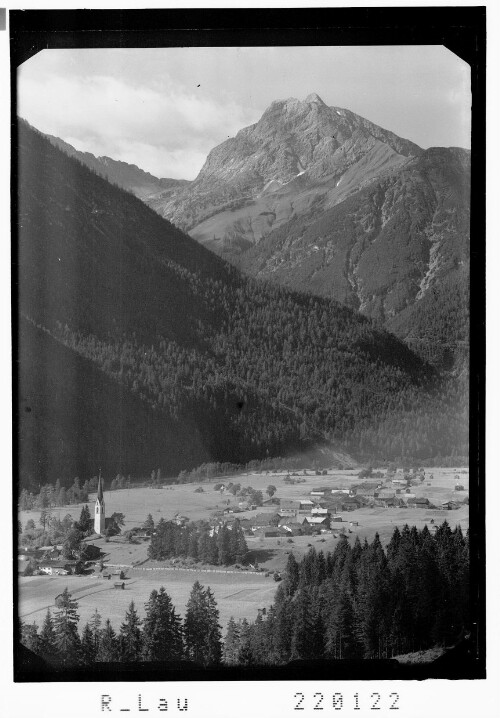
(164, 109)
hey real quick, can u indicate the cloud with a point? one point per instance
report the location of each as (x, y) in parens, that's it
(162, 129)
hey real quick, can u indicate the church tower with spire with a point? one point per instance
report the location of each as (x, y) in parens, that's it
(99, 512)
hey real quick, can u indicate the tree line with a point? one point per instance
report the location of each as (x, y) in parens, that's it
(363, 601)
(161, 636)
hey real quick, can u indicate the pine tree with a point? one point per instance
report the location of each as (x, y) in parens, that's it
(239, 548)
(85, 521)
(231, 643)
(302, 643)
(292, 575)
(29, 636)
(201, 627)
(162, 634)
(108, 644)
(130, 638)
(193, 545)
(95, 627)
(65, 628)
(283, 625)
(259, 645)
(245, 656)
(223, 546)
(87, 646)
(48, 637)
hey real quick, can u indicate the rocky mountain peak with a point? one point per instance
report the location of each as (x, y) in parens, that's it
(314, 98)
(299, 153)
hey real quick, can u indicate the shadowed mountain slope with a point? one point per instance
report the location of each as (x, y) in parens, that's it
(130, 177)
(218, 362)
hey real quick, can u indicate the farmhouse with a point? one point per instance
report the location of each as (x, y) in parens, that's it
(57, 568)
(318, 521)
(264, 520)
(419, 503)
(365, 486)
(287, 505)
(270, 532)
(367, 493)
(272, 501)
(318, 511)
(451, 505)
(350, 503)
(293, 528)
(287, 512)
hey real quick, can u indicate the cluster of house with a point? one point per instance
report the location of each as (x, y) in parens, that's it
(321, 511)
(48, 560)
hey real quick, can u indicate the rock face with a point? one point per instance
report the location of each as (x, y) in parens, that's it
(300, 154)
(382, 248)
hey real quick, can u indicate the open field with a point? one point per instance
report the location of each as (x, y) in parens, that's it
(237, 594)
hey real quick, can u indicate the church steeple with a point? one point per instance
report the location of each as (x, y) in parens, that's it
(99, 511)
(99, 490)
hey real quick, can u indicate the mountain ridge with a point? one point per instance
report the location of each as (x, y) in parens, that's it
(251, 370)
(317, 198)
(128, 176)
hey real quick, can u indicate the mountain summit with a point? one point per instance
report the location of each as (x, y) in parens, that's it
(322, 200)
(299, 153)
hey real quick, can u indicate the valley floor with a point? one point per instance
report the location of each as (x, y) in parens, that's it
(239, 594)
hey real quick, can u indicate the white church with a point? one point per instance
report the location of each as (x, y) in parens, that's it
(100, 511)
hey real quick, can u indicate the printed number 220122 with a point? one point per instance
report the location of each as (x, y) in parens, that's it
(338, 701)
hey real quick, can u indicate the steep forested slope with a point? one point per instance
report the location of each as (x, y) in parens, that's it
(75, 419)
(239, 368)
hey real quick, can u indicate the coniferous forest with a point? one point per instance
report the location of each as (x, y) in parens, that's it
(185, 360)
(222, 548)
(359, 602)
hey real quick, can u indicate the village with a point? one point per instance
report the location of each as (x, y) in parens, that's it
(299, 510)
